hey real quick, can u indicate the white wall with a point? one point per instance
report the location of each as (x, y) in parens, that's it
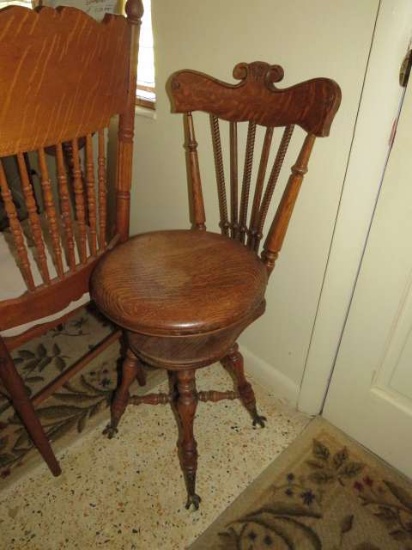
(310, 39)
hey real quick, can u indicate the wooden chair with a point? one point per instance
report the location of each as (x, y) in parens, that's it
(184, 296)
(63, 78)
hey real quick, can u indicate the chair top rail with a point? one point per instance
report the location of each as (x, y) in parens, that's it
(311, 104)
(45, 98)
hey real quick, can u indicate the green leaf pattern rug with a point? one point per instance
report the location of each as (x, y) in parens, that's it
(79, 404)
(324, 492)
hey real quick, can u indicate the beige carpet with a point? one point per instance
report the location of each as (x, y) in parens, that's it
(324, 492)
(80, 405)
(125, 493)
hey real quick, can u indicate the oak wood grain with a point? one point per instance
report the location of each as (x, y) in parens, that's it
(183, 297)
(63, 78)
(179, 282)
(62, 75)
(311, 104)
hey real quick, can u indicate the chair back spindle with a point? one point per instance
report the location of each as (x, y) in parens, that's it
(196, 184)
(220, 174)
(91, 199)
(263, 108)
(16, 230)
(234, 181)
(280, 223)
(57, 210)
(254, 234)
(50, 213)
(102, 190)
(262, 211)
(247, 175)
(65, 78)
(64, 197)
(34, 219)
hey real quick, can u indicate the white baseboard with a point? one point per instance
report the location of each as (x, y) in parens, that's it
(268, 376)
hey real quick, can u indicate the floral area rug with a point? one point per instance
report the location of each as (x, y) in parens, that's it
(324, 492)
(76, 407)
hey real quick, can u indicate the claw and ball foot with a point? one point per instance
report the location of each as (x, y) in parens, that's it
(110, 431)
(131, 369)
(185, 405)
(234, 363)
(258, 419)
(194, 500)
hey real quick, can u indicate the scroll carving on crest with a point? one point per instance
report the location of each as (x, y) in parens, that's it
(257, 97)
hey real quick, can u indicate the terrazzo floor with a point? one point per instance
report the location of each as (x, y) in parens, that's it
(128, 493)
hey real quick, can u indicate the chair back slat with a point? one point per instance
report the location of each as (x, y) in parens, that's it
(79, 201)
(257, 103)
(66, 214)
(16, 230)
(34, 218)
(51, 213)
(65, 187)
(247, 175)
(234, 182)
(277, 232)
(66, 218)
(91, 197)
(254, 236)
(273, 179)
(220, 175)
(102, 189)
(198, 209)
(65, 207)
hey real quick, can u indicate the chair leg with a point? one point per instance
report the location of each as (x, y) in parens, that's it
(185, 405)
(172, 378)
(233, 362)
(24, 408)
(131, 369)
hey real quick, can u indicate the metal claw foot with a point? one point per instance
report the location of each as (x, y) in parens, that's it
(258, 419)
(110, 431)
(193, 499)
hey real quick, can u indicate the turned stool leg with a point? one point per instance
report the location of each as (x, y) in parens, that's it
(233, 361)
(24, 408)
(186, 404)
(172, 377)
(131, 369)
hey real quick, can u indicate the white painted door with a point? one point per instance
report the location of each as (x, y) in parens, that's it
(370, 396)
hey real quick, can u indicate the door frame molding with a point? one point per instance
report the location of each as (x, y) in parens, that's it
(378, 109)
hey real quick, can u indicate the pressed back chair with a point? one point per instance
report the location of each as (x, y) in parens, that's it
(63, 78)
(184, 296)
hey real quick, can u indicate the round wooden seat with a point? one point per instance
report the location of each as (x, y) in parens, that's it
(181, 282)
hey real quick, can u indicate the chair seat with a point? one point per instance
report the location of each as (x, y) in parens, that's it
(179, 282)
